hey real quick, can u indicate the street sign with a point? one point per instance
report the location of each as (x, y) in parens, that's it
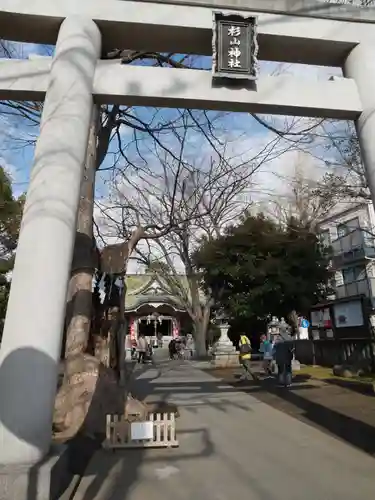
(304, 323)
(235, 47)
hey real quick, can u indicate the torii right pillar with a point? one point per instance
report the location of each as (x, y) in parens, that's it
(360, 66)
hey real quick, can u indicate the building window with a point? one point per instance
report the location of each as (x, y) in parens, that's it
(355, 273)
(347, 227)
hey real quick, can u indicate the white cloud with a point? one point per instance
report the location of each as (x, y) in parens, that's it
(276, 156)
(244, 139)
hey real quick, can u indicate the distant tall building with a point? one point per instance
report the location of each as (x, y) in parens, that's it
(350, 232)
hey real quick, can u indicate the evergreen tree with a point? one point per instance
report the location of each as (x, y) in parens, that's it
(259, 268)
(10, 218)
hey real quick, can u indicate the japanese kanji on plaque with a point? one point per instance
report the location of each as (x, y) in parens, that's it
(234, 46)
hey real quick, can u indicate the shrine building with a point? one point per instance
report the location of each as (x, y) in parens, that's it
(152, 308)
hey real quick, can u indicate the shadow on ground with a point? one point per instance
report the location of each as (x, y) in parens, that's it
(115, 475)
(111, 475)
(331, 407)
(353, 385)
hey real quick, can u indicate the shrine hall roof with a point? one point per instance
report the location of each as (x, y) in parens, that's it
(152, 288)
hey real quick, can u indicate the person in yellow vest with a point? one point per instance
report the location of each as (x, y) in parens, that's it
(245, 358)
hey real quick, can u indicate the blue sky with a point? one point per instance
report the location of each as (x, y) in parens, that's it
(17, 135)
(244, 135)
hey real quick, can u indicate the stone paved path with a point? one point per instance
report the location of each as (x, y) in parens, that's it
(232, 446)
(333, 407)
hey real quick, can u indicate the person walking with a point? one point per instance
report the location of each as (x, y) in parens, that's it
(142, 348)
(245, 357)
(180, 348)
(283, 355)
(128, 347)
(150, 352)
(190, 345)
(134, 348)
(172, 349)
(266, 348)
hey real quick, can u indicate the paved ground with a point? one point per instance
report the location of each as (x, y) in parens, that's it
(335, 407)
(232, 445)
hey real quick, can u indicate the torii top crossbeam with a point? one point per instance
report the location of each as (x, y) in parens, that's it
(305, 31)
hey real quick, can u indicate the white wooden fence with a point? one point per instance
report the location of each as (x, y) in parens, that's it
(119, 432)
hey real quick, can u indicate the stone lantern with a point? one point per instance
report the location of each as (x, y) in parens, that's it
(224, 353)
(273, 328)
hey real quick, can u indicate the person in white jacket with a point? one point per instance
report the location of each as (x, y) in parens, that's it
(190, 345)
(142, 348)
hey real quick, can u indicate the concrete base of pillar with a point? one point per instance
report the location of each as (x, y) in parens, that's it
(225, 359)
(43, 481)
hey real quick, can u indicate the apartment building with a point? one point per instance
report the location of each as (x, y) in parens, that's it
(350, 232)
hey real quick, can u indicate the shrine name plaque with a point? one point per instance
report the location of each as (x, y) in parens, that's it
(235, 47)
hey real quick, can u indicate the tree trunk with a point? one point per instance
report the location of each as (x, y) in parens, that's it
(89, 390)
(115, 259)
(79, 306)
(200, 340)
(200, 333)
(201, 321)
(122, 337)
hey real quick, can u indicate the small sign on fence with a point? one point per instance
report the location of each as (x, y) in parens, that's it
(140, 431)
(158, 431)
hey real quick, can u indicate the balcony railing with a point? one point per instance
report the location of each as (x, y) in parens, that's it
(355, 245)
(362, 287)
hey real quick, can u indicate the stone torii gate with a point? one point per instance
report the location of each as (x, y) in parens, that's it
(291, 31)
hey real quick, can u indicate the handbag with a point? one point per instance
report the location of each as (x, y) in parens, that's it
(245, 348)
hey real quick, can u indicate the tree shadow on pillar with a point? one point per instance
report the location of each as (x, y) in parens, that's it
(28, 379)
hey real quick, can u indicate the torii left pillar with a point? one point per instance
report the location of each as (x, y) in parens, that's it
(31, 344)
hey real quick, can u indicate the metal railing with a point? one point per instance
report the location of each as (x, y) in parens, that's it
(361, 287)
(357, 244)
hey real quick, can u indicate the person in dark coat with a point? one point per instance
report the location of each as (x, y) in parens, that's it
(283, 355)
(172, 349)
